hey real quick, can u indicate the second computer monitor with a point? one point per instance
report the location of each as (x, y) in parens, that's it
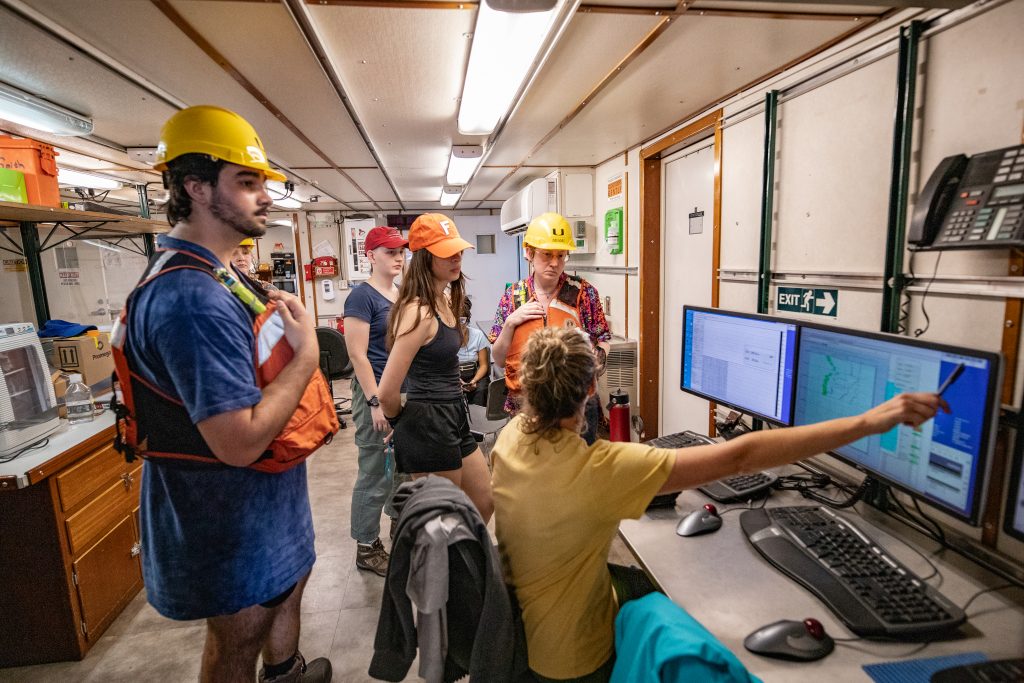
(843, 373)
(741, 360)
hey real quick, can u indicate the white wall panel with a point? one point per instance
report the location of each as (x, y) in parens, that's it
(832, 174)
(742, 160)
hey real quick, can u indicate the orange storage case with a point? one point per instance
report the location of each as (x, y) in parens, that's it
(38, 161)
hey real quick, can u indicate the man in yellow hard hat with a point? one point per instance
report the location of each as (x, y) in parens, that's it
(547, 298)
(242, 256)
(222, 540)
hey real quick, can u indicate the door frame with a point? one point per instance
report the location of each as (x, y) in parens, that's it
(651, 222)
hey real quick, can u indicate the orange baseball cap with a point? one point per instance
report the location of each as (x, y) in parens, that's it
(436, 233)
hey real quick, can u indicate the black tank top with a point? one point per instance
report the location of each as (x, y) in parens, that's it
(434, 371)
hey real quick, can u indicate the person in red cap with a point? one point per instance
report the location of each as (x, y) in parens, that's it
(366, 321)
(431, 434)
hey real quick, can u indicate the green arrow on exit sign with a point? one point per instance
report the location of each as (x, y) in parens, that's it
(808, 300)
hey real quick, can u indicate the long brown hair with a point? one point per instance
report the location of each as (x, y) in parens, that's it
(558, 369)
(418, 291)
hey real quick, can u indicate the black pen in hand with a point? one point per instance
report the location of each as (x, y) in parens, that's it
(957, 371)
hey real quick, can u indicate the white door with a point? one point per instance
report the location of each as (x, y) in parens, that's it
(688, 205)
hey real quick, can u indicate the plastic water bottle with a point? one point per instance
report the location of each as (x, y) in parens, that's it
(78, 401)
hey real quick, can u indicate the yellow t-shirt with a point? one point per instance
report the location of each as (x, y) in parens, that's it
(557, 507)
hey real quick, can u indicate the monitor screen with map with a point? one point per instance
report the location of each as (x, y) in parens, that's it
(843, 372)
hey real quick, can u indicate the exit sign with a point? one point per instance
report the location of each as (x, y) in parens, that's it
(808, 300)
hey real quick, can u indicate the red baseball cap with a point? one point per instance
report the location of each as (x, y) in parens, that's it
(436, 233)
(383, 236)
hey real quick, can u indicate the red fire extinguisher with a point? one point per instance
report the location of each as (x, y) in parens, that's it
(618, 416)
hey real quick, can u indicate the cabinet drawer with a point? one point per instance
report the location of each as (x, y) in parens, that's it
(77, 483)
(108, 576)
(100, 514)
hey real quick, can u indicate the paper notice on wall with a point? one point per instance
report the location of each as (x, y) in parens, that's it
(69, 277)
(324, 248)
(15, 265)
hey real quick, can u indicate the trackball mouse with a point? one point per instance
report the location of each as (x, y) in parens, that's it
(700, 521)
(799, 640)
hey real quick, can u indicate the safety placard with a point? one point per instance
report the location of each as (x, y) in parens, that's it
(808, 300)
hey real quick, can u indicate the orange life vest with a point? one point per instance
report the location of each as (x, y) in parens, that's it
(154, 424)
(563, 311)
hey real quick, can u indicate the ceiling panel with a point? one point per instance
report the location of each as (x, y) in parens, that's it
(40, 64)
(590, 48)
(693, 63)
(373, 183)
(756, 5)
(266, 46)
(334, 183)
(159, 52)
(403, 70)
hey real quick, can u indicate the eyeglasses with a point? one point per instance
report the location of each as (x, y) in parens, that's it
(548, 256)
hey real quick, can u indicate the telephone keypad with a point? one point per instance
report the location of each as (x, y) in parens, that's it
(988, 208)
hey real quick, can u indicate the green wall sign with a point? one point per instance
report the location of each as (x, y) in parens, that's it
(808, 300)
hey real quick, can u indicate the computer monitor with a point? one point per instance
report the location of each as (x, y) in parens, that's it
(741, 360)
(1013, 523)
(844, 372)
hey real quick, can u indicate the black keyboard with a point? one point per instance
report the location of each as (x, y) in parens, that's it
(738, 487)
(998, 671)
(872, 593)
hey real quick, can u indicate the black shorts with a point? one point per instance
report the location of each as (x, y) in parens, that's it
(432, 436)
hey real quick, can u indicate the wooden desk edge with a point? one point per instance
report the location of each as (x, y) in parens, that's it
(51, 466)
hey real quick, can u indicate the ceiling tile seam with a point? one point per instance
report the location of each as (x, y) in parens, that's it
(307, 30)
(190, 31)
(397, 4)
(720, 12)
(635, 52)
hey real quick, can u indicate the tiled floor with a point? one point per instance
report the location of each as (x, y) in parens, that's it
(339, 608)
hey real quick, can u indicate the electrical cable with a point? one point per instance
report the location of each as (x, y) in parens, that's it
(924, 311)
(977, 595)
(41, 443)
(904, 314)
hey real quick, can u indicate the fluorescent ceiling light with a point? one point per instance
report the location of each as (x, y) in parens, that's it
(68, 176)
(282, 222)
(505, 45)
(463, 162)
(288, 203)
(17, 106)
(450, 195)
(101, 245)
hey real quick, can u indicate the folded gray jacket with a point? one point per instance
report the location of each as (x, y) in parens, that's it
(479, 632)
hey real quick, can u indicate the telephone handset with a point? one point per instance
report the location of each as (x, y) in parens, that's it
(972, 203)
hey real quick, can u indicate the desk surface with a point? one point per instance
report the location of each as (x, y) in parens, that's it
(722, 581)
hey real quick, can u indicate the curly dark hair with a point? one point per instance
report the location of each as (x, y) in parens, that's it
(201, 166)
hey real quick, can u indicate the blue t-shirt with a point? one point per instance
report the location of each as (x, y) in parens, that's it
(370, 306)
(476, 341)
(214, 539)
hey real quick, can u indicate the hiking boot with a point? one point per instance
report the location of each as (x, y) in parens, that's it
(372, 557)
(316, 671)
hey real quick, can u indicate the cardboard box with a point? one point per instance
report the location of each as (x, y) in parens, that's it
(60, 387)
(90, 355)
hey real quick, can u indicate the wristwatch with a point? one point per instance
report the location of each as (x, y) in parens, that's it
(373, 401)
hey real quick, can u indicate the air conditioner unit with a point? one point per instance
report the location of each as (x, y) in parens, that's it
(521, 208)
(620, 372)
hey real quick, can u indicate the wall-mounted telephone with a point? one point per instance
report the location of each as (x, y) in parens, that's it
(972, 203)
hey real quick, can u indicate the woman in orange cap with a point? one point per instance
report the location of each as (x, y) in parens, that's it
(432, 431)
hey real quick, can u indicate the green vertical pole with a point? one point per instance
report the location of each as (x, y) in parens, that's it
(30, 245)
(149, 241)
(893, 281)
(143, 200)
(764, 272)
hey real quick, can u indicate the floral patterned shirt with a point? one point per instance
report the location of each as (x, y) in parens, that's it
(591, 313)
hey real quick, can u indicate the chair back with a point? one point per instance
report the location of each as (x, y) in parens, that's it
(334, 360)
(497, 391)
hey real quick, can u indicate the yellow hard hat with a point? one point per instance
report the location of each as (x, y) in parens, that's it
(247, 242)
(215, 131)
(550, 231)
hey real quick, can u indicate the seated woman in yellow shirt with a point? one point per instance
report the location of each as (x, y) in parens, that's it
(558, 502)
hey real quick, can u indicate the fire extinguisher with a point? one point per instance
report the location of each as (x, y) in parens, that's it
(618, 416)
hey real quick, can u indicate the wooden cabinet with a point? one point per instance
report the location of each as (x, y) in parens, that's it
(69, 555)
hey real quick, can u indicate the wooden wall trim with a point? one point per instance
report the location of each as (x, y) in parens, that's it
(649, 343)
(662, 144)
